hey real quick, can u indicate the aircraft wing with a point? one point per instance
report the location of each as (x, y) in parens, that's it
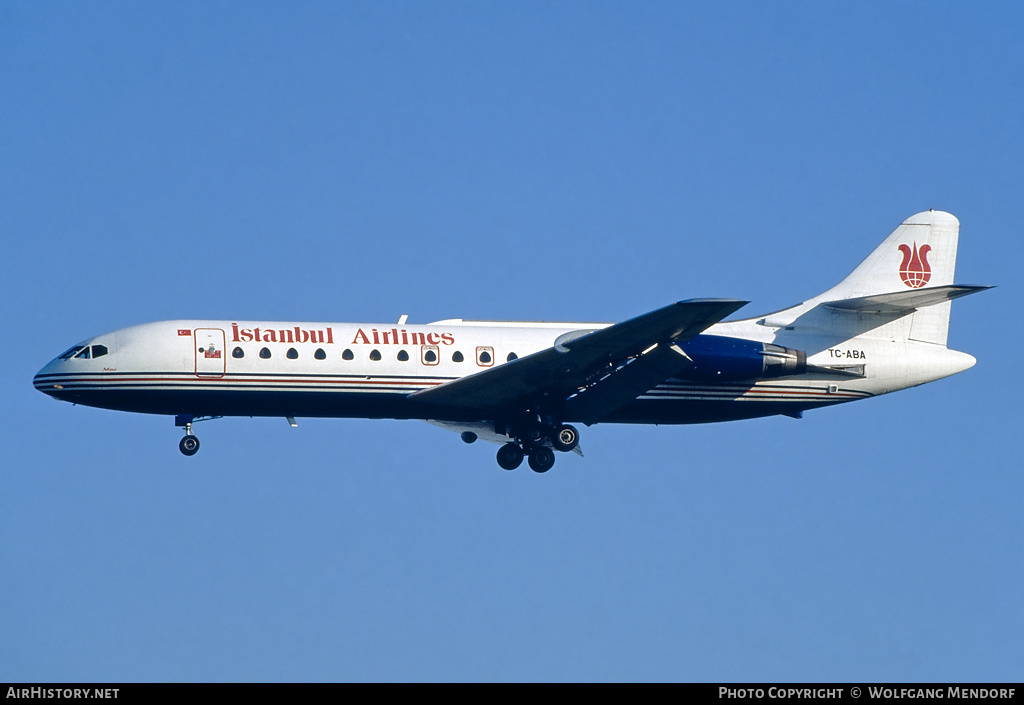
(587, 360)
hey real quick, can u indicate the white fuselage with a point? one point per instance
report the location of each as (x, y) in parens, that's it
(259, 368)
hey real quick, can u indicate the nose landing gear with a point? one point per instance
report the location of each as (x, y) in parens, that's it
(189, 445)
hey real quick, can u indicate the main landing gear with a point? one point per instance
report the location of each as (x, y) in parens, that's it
(535, 443)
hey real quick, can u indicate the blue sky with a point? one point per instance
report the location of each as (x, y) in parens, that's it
(560, 161)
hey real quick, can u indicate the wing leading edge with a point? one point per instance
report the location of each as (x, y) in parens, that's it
(603, 368)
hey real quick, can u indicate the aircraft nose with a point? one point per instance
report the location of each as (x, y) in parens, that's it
(45, 380)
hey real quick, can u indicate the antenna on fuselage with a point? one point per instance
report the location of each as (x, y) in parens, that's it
(403, 318)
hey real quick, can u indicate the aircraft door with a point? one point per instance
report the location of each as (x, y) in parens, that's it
(210, 357)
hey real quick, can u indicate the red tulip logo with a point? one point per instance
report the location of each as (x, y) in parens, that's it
(915, 270)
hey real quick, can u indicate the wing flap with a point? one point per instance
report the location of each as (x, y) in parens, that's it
(623, 386)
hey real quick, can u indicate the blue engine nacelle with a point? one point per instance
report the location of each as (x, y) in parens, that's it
(719, 358)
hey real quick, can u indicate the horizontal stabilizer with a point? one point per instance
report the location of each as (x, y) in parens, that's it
(903, 302)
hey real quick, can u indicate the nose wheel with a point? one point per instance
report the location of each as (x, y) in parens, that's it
(189, 445)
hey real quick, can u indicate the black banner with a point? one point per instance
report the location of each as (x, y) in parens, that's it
(775, 692)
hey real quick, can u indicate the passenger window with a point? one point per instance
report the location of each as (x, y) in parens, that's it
(511, 357)
(99, 351)
(320, 354)
(292, 354)
(265, 353)
(238, 353)
(403, 356)
(429, 354)
(485, 356)
(347, 355)
(457, 356)
(375, 355)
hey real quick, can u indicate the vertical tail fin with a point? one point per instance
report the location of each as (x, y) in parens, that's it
(920, 253)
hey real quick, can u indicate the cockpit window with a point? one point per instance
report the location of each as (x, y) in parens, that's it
(71, 352)
(84, 352)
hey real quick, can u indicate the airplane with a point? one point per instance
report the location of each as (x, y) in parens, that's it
(523, 384)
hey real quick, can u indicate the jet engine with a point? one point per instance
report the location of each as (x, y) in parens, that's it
(716, 357)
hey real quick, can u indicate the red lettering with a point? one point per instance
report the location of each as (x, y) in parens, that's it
(433, 338)
(310, 335)
(448, 338)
